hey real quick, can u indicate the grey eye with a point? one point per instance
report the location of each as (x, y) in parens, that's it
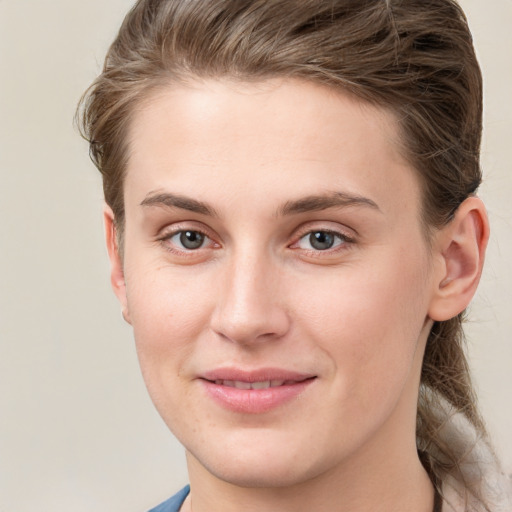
(189, 240)
(321, 240)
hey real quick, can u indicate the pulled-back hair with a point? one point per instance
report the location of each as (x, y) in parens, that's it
(412, 57)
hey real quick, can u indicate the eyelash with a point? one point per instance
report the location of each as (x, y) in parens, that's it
(169, 245)
(342, 241)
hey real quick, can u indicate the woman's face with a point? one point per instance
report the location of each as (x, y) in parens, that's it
(276, 276)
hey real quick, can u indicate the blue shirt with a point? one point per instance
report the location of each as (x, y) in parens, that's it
(174, 503)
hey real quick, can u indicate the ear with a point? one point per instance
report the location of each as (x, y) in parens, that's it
(460, 247)
(116, 262)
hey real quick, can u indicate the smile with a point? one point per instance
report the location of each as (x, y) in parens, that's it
(254, 392)
(240, 384)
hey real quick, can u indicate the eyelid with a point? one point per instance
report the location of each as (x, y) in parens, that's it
(338, 239)
(328, 227)
(164, 236)
(348, 239)
(176, 227)
(204, 240)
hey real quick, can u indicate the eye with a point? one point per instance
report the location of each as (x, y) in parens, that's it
(188, 239)
(321, 240)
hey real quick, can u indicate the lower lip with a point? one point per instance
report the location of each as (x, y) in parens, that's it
(254, 401)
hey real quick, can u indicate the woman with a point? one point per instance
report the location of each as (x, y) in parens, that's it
(294, 236)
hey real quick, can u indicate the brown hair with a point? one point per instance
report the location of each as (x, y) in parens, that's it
(414, 57)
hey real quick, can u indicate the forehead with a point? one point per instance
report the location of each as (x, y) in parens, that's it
(291, 134)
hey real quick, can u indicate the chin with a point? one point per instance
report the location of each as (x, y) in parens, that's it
(260, 465)
(271, 476)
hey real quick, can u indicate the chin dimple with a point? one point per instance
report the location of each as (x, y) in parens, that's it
(238, 384)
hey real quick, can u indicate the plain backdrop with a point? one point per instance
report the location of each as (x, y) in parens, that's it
(77, 430)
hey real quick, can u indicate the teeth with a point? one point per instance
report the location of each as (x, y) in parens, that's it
(260, 385)
(242, 385)
(238, 384)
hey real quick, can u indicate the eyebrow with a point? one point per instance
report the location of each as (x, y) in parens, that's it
(165, 199)
(325, 201)
(302, 205)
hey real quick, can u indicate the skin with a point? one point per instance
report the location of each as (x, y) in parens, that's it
(236, 162)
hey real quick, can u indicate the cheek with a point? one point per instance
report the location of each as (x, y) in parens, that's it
(169, 312)
(369, 322)
(165, 302)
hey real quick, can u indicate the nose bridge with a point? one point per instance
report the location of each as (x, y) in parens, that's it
(250, 305)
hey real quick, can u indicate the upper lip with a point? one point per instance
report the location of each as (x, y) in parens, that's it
(255, 375)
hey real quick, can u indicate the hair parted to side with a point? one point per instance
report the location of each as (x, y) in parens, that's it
(413, 57)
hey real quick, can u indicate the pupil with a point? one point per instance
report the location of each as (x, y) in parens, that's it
(321, 240)
(191, 239)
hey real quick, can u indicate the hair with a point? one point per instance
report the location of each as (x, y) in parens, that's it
(413, 57)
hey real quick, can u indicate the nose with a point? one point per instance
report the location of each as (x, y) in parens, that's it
(250, 306)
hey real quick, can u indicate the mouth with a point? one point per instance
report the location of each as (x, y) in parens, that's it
(254, 392)
(264, 384)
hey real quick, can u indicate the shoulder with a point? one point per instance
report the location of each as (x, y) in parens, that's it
(479, 471)
(174, 503)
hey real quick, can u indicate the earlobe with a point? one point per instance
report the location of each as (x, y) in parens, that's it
(460, 246)
(116, 262)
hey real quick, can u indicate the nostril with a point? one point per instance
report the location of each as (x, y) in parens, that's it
(267, 329)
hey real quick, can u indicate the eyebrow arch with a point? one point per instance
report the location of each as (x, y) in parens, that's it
(325, 201)
(165, 199)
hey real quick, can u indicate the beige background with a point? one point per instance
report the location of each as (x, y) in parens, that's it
(77, 431)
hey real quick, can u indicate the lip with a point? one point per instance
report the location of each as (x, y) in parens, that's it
(286, 386)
